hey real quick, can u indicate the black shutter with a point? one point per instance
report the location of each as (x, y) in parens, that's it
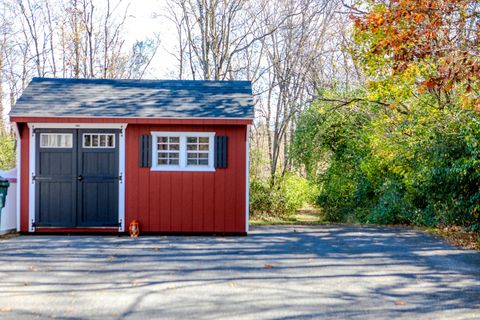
(145, 160)
(221, 147)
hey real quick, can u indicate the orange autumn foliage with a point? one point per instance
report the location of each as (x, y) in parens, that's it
(445, 34)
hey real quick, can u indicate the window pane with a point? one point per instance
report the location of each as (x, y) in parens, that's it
(174, 139)
(203, 162)
(192, 139)
(204, 139)
(94, 140)
(203, 147)
(162, 161)
(203, 155)
(192, 147)
(174, 147)
(87, 140)
(103, 140)
(110, 142)
(173, 161)
(43, 140)
(56, 140)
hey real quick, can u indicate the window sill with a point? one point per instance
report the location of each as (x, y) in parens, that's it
(185, 169)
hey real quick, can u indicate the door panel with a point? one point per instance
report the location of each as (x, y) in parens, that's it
(55, 181)
(98, 185)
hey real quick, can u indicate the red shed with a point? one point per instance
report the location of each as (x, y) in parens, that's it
(96, 154)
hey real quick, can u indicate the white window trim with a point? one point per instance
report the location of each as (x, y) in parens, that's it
(183, 151)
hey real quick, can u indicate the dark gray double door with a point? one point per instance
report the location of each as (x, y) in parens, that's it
(76, 178)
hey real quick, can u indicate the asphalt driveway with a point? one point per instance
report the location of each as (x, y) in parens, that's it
(327, 272)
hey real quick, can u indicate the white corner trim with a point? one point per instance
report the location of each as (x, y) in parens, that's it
(121, 184)
(19, 177)
(31, 181)
(183, 151)
(247, 173)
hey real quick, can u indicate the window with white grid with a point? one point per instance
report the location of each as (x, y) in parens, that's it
(183, 151)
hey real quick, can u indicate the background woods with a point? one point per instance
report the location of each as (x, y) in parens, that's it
(365, 108)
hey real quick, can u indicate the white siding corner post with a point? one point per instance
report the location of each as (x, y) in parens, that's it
(19, 177)
(31, 180)
(121, 183)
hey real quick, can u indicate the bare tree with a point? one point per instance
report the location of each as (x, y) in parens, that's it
(73, 38)
(288, 49)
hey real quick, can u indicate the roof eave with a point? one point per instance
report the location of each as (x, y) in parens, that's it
(134, 120)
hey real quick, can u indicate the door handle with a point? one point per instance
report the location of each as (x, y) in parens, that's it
(80, 178)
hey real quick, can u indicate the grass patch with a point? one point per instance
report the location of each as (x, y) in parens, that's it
(305, 216)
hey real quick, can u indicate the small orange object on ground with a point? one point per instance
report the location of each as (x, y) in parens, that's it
(134, 228)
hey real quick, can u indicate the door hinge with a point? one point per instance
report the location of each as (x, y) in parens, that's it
(120, 177)
(120, 223)
(34, 224)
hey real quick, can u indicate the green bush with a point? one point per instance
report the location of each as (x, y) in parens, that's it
(7, 151)
(421, 167)
(281, 200)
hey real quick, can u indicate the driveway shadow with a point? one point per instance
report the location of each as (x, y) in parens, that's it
(281, 272)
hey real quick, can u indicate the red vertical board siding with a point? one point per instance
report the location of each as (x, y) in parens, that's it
(240, 179)
(143, 187)
(198, 202)
(187, 201)
(172, 201)
(25, 175)
(230, 204)
(169, 201)
(209, 202)
(176, 204)
(219, 189)
(165, 205)
(131, 175)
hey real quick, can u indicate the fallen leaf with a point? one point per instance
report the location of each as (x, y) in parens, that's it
(137, 283)
(268, 266)
(400, 303)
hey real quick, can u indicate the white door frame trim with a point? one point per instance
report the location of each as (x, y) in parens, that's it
(121, 165)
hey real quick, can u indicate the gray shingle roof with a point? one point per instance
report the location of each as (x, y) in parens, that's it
(135, 98)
